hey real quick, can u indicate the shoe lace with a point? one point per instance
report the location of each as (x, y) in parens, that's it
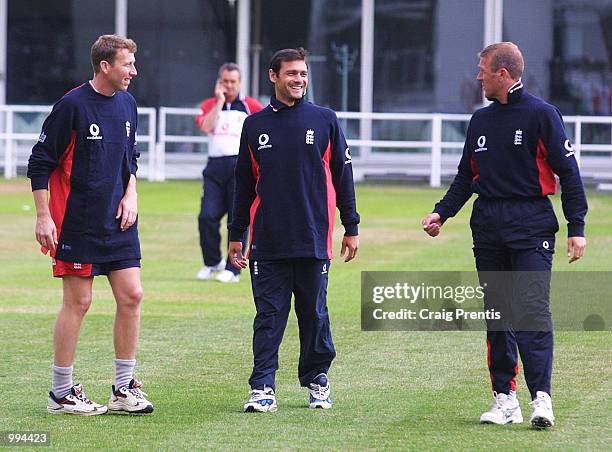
(80, 394)
(259, 394)
(135, 390)
(318, 391)
(538, 402)
(499, 401)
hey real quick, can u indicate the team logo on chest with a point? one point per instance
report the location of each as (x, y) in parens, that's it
(94, 132)
(482, 140)
(264, 138)
(310, 136)
(128, 127)
(347, 155)
(569, 148)
(518, 137)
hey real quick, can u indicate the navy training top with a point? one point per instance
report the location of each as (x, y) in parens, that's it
(84, 157)
(293, 170)
(514, 151)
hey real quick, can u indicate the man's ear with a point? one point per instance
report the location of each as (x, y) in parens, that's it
(105, 66)
(272, 75)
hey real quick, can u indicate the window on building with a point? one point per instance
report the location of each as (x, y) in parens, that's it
(49, 45)
(181, 45)
(331, 32)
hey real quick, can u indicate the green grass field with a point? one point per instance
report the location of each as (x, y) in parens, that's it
(392, 390)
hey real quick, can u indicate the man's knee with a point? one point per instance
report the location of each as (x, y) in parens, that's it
(78, 303)
(131, 298)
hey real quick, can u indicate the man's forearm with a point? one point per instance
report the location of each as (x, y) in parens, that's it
(210, 119)
(131, 186)
(41, 201)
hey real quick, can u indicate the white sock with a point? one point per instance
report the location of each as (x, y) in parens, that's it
(124, 372)
(61, 381)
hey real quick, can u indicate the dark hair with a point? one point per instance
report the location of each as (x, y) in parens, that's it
(105, 48)
(505, 55)
(298, 54)
(229, 67)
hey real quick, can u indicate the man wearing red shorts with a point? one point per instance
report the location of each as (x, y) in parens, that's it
(83, 175)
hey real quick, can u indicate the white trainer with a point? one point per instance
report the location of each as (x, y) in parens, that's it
(208, 272)
(505, 410)
(227, 276)
(542, 415)
(320, 393)
(74, 403)
(130, 399)
(262, 401)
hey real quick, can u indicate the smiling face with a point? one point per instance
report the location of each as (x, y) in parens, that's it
(291, 81)
(121, 71)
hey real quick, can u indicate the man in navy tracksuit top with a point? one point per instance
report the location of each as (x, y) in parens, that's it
(513, 149)
(83, 175)
(293, 170)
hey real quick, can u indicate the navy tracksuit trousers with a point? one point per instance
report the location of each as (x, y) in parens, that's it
(217, 198)
(273, 283)
(517, 237)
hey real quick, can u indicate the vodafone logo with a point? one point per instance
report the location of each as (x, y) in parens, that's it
(94, 132)
(568, 147)
(264, 138)
(347, 156)
(482, 140)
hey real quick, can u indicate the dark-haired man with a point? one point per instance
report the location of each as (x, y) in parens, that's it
(513, 149)
(293, 170)
(83, 175)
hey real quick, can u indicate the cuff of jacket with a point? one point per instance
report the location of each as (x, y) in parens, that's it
(444, 214)
(575, 230)
(40, 183)
(351, 229)
(236, 235)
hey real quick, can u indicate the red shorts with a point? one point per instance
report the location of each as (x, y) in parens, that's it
(63, 268)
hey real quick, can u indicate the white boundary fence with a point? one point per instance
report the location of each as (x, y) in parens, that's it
(16, 155)
(428, 157)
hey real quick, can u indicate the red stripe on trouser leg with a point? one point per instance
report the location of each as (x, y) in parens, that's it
(489, 362)
(513, 381)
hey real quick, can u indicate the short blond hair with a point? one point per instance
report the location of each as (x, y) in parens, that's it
(105, 48)
(505, 55)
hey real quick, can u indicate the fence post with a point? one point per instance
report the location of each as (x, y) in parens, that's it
(436, 151)
(152, 143)
(160, 148)
(577, 138)
(9, 154)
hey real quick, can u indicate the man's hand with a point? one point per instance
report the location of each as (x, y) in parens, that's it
(219, 91)
(575, 248)
(46, 232)
(350, 245)
(432, 224)
(128, 210)
(235, 256)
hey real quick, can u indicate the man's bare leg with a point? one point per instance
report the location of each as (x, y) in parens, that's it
(77, 299)
(126, 395)
(127, 290)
